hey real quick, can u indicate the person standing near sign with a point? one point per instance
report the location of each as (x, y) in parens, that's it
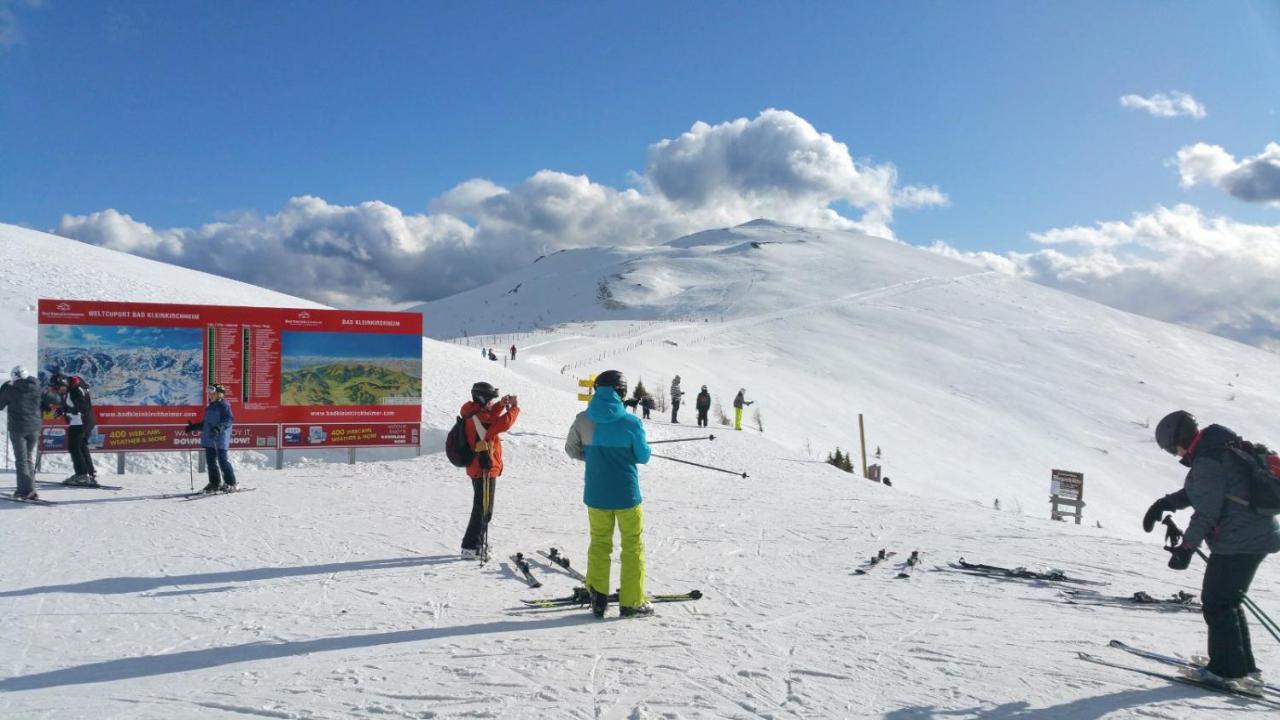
(215, 438)
(21, 398)
(76, 407)
(487, 417)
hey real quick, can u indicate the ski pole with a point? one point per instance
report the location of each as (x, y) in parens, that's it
(191, 474)
(708, 467)
(691, 439)
(1248, 603)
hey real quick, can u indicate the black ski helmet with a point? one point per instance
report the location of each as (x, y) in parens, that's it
(1176, 430)
(613, 379)
(482, 393)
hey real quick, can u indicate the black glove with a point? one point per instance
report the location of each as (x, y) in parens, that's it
(193, 427)
(1172, 502)
(1157, 509)
(1180, 557)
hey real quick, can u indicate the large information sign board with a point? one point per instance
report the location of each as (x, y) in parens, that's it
(337, 378)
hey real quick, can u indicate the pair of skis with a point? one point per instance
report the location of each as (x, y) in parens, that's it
(51, 483)
(879, 559)
(1019, 573)
(1269, 694)
(581, 596)
(1180, 601)
(521, 563)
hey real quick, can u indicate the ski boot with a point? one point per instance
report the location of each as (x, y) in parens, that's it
(599, 602)
(643, 610)
(77, 480)
(26, 496)
(211, 488)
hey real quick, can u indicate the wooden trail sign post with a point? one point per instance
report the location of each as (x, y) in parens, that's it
(1066, 490)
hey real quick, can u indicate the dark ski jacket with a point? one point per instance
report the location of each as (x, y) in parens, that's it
(215, 428)
(22, 400)
(739, 401)
(1217, 474)
(77, 408)
(704, 400)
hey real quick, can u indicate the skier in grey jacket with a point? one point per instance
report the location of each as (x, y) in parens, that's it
(1217, 488)
(21, 397)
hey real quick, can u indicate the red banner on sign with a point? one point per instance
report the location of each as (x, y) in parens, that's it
(137, 438)
(147, 365)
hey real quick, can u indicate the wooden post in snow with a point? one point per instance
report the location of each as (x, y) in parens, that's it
(862, 442)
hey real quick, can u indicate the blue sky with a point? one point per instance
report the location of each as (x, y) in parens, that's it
(349, 345)
(147, 122)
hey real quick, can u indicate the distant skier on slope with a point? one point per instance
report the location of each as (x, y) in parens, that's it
(740, 401)
(676, 394)
(703, 405)
(1239, 537)
(215, 438)
(513, 351)
(495, 416)
(611, 442)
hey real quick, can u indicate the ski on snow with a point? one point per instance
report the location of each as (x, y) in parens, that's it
(1019, 573)
(1225, 690)
(1174, 661)
(63, 484)
(875, 560)
(909, 566)
(201, 495)
(1182, 601)
(523, 566)
(37, 501)
(581, 597)
(562, 561)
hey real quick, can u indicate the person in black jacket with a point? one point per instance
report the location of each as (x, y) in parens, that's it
(703, 404)
(77, 409)
(21, 397)
(1239, 538)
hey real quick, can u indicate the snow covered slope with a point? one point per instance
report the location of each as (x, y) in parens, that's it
(334, 591)
(974, 385)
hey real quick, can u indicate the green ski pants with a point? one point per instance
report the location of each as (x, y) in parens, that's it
(630, 524)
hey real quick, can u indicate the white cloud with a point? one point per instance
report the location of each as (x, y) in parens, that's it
(775, 165)
(1174, 264)
(1253, 179)
(1173, 104)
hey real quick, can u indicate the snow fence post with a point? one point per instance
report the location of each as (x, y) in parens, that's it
(279, 458)
(351, 456)
(120, 463)
(862, 440)
(199, 462)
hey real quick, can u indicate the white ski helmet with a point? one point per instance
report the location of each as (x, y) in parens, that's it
(18, 372)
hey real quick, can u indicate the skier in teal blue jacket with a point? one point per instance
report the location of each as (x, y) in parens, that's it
(612, 442)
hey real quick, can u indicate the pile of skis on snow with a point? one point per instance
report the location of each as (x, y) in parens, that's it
(904, 570)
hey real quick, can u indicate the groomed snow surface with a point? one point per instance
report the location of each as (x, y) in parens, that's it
(335, 591)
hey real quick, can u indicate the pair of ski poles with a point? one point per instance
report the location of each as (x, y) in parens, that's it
(742, 475)
(1264, 619)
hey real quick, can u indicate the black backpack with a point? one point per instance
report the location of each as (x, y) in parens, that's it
(456, 447)
(1264, 477)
